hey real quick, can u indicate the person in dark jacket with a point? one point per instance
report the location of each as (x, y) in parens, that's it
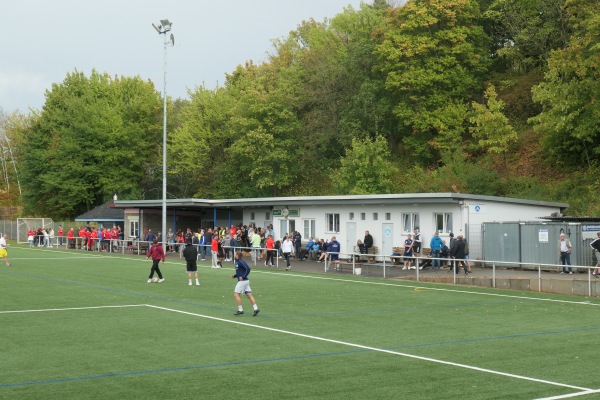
(242, 270)
(190, 253)
(458, 253)
(368, 241)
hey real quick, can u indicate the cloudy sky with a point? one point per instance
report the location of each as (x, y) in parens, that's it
(44, 40)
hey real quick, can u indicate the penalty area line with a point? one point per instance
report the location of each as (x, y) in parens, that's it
(571, 395)
(359, 346)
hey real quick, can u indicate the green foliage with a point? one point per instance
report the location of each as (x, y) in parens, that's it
(569, 94)
(434, 55)
(525, 31)
(385, 97)
(491, 127)
(366, 168)
(95, 137)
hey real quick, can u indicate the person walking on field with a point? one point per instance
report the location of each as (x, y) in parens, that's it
(242, 270)
(190, 253)
(157, 253)
(3, 249)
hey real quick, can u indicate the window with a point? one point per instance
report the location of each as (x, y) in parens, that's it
(410, 221)
(375, 216)
(443, 222)
(309, 228)
(332, 222)
(252, 216)
(134, 228)
(267, 216)
(388, 216)
(363, 216)
(351, 216)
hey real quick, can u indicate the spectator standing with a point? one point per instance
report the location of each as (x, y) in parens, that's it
(170, 241)
(297, 244)
(458, 254)
(595, 245)
(214, 250)
(270, 246)
(287, 247)
(436, 246)
(564, 252)
(157, 253)
(408, 252)
(190, 253)
(333, 251)
(60, 235)
(71, 238)
(242, 270)
(416, 242)
(255, 241)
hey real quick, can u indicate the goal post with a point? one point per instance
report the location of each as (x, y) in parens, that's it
(24, 225)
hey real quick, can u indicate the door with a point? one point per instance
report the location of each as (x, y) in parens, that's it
(350, 238)
(387, 241)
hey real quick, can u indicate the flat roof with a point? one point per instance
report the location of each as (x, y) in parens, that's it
(373, 199)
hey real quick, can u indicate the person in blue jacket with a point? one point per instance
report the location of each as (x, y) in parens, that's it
(436, 246)
(242, 270)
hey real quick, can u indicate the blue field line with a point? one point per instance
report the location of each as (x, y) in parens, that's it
(176, 369)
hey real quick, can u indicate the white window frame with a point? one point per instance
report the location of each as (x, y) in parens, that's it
(332, 223)
(410, 222)
(134, 228)
(309, 228)
(443, 222)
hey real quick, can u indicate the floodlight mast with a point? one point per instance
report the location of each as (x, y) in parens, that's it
(162, 28)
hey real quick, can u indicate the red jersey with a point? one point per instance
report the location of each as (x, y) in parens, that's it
(156, 252)
(270, 243)
(214, 246)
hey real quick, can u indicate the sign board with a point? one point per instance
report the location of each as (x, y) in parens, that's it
(286, 213)
(477, 208)
(590, 231)
(543, 235)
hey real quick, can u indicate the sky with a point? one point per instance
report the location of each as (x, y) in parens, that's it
(45, 40)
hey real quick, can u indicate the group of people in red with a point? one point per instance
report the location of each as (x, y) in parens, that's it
(101, 239)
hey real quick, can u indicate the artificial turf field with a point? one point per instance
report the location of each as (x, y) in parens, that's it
(77, 325)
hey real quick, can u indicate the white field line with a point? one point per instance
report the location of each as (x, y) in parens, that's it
(359, 346)
(425, 288)
(69, 309)
(570, 395)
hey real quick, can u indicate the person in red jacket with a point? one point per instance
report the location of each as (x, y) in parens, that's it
(214, 249)
(60, 235)
(270, 244)
(70, 239)
(157, 253)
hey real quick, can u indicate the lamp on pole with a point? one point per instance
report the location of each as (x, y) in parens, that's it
(162, 29)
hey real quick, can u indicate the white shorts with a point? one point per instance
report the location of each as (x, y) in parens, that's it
(243, 287)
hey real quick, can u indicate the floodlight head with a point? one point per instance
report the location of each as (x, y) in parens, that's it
(157, 27)
(166, 24)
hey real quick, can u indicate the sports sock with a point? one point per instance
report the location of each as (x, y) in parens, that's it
(190, 281)
(255, 307)
(240, 308)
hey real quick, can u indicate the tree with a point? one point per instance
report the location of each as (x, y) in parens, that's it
(570, 92)
(491, 127)
(434, 55)
(366, 169)
(95, 136)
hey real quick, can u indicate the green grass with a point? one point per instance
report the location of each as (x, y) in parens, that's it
(103, 332)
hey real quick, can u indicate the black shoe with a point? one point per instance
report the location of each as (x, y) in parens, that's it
(256, 312)
(239, 313)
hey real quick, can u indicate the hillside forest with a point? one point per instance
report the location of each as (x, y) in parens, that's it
(490, 97)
